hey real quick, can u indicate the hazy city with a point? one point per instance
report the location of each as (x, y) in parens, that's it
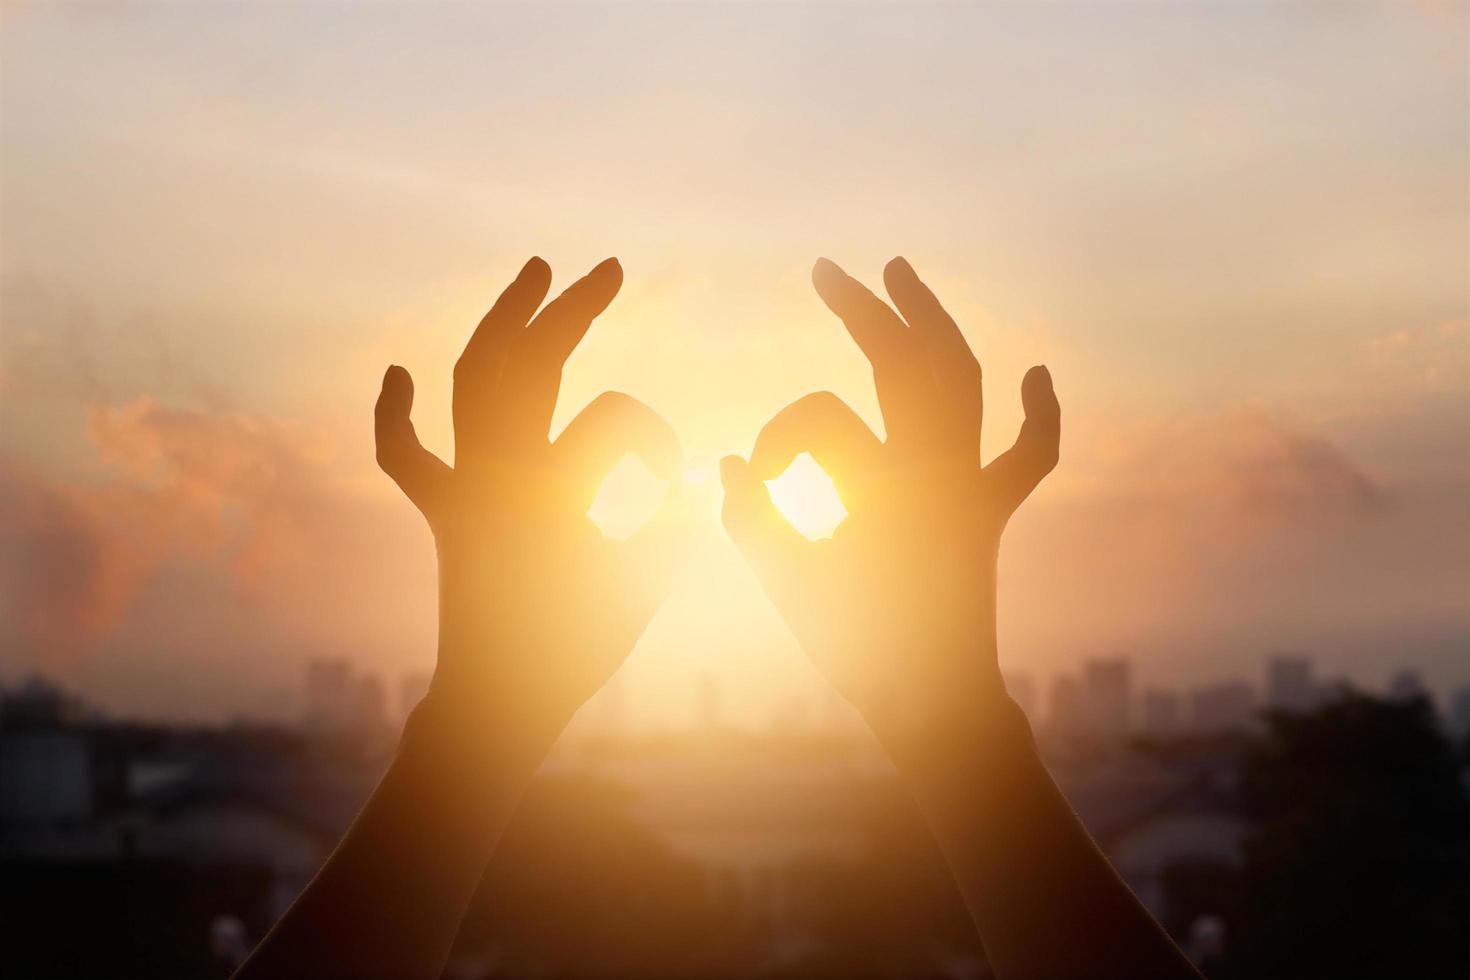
(213, 830)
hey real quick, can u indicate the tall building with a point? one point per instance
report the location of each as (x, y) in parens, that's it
(1291, 683)
(1163, 713)
(329, 694)
(1227, 706)
(1066, 704)
(1107, 689)
(339, 700)
(369, 705)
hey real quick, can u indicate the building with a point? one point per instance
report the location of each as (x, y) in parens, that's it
(1291, 683)
(46, 775)
(1107, 691)
(212, 832)
(328, 694)
(1227, 706)
(369, 705)
(1066, 704)
(1163, 713)
(340, 700)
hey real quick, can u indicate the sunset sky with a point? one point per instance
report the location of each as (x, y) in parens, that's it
(1237, 233)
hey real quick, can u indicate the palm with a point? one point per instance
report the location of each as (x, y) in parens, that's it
(899, 607)
(537, 608)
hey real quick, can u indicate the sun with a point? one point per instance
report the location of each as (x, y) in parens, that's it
(628, 498)
(805, 496)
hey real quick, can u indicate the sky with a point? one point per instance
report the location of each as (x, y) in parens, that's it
(1238, 234)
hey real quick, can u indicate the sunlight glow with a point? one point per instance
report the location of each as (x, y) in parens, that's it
(629, 496)
(805, 496)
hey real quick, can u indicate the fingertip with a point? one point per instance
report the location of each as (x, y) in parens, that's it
(899, 266)
(1037, 393)
(535, 267)
(397, 381)
(604, 281)
(825, 273)
(732, 469)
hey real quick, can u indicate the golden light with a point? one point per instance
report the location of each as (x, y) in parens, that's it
(805, 496)
(628, 498)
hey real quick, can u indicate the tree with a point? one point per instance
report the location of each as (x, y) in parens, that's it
(1360, 862)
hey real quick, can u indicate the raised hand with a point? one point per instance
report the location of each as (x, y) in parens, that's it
(898, 608)
(537, 608)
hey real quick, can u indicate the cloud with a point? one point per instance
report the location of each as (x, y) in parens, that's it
(204, 525)
(1242, 466)
(63, 579)
(1230, 533)
(250, 488)
(215, 551)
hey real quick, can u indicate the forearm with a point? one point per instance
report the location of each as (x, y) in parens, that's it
(1045, 900)
(389, 900)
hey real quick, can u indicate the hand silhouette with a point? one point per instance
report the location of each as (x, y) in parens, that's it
(537, 608)
(898, 608)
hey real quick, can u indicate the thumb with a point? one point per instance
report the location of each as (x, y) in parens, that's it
(422, 476)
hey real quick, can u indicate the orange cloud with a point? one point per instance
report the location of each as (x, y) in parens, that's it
(63, 578)
(204, 483)
(1230, 533)
(256, 504)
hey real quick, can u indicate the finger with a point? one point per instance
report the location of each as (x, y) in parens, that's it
(527, 395)
(477, 372)
(558, 329)
(951, 361)
(420, 474)
(900, 373)
(1015, 473)
(610, 427)
(824, 426)
(775, 550)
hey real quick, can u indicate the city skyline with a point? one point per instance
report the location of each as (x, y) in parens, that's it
(1100, 698)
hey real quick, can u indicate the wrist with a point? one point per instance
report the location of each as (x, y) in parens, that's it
(959, 740)
(940, 691)
(476, 739)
